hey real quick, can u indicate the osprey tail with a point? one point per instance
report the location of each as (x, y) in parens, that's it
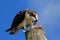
(8, 29)
(13, 31)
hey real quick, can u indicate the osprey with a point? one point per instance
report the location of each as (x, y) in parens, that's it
(22, 20)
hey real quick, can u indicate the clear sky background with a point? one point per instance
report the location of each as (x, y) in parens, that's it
(48, 12)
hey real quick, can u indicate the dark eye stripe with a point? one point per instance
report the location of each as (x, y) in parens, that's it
(32, 14)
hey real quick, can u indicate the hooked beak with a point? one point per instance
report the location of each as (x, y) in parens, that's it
(35, 22)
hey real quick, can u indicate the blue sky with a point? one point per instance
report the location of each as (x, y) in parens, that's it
(48, 12)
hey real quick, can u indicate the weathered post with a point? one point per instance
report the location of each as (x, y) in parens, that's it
(36, 34)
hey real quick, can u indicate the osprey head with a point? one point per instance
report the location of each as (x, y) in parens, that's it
(32, 15)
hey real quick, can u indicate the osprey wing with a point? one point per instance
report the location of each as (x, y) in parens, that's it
(18, 19)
